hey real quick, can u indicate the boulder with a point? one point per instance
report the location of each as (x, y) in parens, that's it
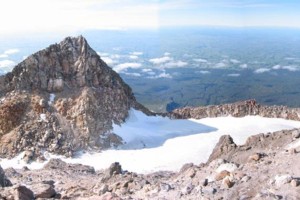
(282, 179)
(4, 182)
(227, 182)
(296, 134)
(21, 192)
(221, 175)
(115, 168)
(42, 190)
(224, 147)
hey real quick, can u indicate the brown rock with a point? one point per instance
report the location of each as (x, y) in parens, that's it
(43, 190)
(222, 175)
(227, 183)
(223, 147)
(255, 157)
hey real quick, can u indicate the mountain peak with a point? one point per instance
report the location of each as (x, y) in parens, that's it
(70, 64)
(62, 99)
(79, 44)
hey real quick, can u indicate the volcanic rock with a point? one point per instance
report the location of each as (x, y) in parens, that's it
(4, 182)
(62, 99)
(43, 190)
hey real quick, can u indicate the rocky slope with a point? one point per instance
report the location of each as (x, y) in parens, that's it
(62, 99)
(265, 167)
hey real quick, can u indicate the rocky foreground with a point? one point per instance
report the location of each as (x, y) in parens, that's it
(265, 167)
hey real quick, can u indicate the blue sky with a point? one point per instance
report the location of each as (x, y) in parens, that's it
(68, 16)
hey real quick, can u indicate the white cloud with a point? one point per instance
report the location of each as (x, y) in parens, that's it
(146, 70)
(220, 65)
(102, 53)
(24, 57)
(149, 72)
(108, 60)
(178, 63)
(137, 53)
(158, 61)
(133, 57)
(276, 67)
(234, 61)
(6, 63)
(11, 51)
(200, 60)
(203, 72)
(289, 68)
(261, 70)
(234, 75)
(132, 74)
(161, 75)
(124, 66)
(167, 54)
(244, 66)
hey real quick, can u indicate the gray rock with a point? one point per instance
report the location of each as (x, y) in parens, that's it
(22, 193)
(42, 190)
(187, 189)
(115, 168)
(209, 190)
(296, 134)
(165, 187)
(282, 179)
(4, 182)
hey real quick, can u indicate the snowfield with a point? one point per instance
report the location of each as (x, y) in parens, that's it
(158, 143)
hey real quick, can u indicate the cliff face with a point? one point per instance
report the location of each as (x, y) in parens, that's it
(62, 99)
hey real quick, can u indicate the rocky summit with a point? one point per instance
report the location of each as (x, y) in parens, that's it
(62, 99)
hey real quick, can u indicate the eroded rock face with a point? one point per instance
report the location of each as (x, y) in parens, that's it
(88, 98)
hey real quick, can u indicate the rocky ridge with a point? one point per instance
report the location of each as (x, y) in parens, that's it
(62, 99)
(238, 109)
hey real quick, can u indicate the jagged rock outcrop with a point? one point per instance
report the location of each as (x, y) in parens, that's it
(238, 109)
(225, 146)
(62, 99)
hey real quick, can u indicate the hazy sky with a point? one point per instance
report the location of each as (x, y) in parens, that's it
(67, 16)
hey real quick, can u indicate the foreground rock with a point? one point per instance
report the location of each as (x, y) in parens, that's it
(229, 174)
(4, 182)
(62, 99)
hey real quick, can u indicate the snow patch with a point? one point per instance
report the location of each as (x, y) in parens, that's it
(43, 117)
(158, 143)
(51, 99)
(230, 167)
